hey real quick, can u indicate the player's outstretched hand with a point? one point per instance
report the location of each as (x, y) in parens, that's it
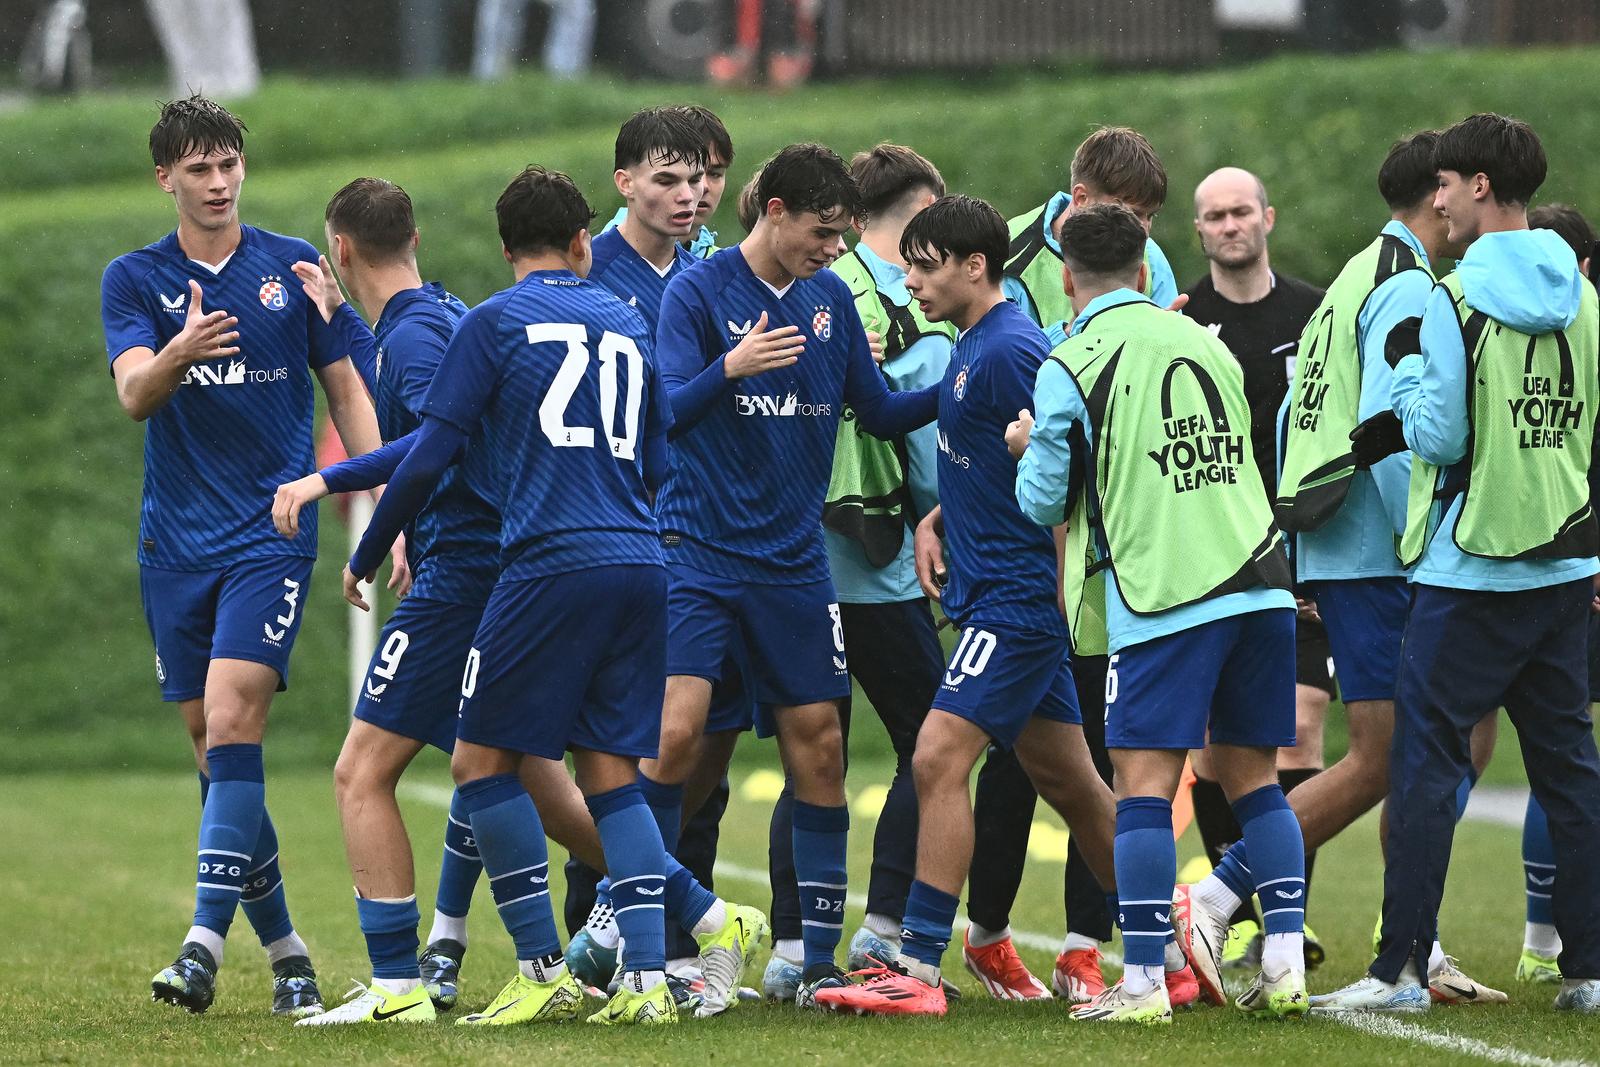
(763, 350)
(1018, 433)
(1377, 439)
(928, 552)
(291, 497)
(352, 588)
(320, 285)
(875, 343)
(399, 569)
(205, 335)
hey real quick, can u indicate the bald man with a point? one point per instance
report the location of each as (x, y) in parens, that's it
(1259, 314)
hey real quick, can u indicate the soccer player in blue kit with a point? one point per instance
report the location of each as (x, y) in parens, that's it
(412, 690)
(759, 347)
(570, 651)
(1009, 680)
(227, 401)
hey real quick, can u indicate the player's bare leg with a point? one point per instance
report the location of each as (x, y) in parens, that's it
(375, 839)
(683, 724)
(1058, 763)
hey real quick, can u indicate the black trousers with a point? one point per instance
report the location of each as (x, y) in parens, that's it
(1003, 815)
(1467, 653)
(895, 655)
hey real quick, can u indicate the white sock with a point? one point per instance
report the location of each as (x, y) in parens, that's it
(926, 972)
(448, 928)
(1435, 958)
(287, 945)
(397, 986)
(212, 941)
(640, 981)
(1283, 952)
(1571, 985)
(606, 936)
(1541, 938)
(883, 926)
(982, 937)
(1077, 943)
(790, 950)
(715, 918)
(1140, 980)
(1408, 973)
(1214, 894)
(542, 970)
(1175, 960)
(684, 966)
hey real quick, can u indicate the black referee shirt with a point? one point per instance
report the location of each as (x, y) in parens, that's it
(1262, 336)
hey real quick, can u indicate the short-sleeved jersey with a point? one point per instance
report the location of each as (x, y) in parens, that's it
(744, 498)
(454, 542)
(619, 267)
(1002, 564)
(555, 378)
(236, 429)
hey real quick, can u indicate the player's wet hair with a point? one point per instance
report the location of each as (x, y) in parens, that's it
(377, 215)
(712, 131)
(1103, 241)
(540, 211)
(1118, 161)
(1408, 175)
(810, 178)
(749, 206)
(955, 227)
(664, 135)
(194, 124)
(1505, 149)
(1570, 225)
(889, 174)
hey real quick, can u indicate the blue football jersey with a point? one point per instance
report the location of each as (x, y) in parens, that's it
(454, 543)
(619, 267)
(1002, 564)
(235, 430)
(554, 378)
(744, 497)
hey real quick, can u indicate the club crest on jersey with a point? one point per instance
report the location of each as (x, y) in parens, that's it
(822, 322)
(960, 386)
(274, 297)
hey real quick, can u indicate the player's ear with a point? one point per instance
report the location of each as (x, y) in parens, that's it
(164, 179)
(578, 249)
(506, 253)
(1271, 215)
(624, 182)
(1067, 285)
(1144, 276)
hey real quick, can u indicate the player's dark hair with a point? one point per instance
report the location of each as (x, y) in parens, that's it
(1118, 161)
(749, 207)
(810, 178)
(1408, 173)
(1505, 149)
(377, 215)
(889, 174)
(957, 227)
(540, 211)
(1570, 225)
(1103, 241)
(194, 124)
(712, 131)
(665, 135)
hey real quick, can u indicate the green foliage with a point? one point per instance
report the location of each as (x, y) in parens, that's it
(77, 682)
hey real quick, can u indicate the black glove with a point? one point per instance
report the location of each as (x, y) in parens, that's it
(1378, 438)
(1403, 340)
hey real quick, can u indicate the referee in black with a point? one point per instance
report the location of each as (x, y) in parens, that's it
(1259, 314)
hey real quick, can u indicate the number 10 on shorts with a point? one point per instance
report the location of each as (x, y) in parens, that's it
(970, 657)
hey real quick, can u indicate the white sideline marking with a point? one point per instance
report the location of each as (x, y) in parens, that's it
(1383, 1026)
(439, 796)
